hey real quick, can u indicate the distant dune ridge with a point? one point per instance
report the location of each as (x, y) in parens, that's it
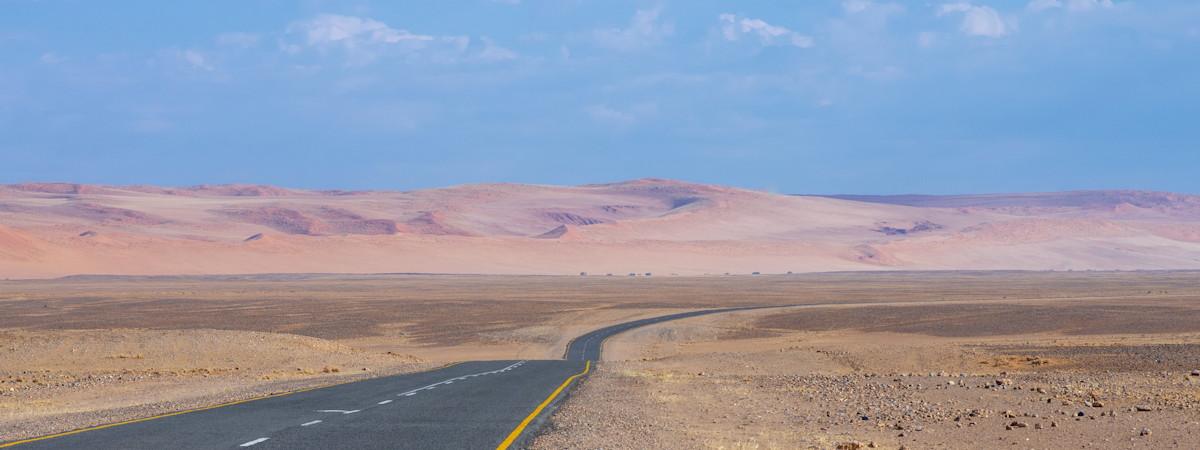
(648, 225)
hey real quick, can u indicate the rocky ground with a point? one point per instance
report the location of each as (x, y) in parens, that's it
(53, 381)
(692, 385)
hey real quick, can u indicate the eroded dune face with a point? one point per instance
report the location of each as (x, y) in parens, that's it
(649, 225)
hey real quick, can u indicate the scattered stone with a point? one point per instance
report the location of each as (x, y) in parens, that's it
(1143, 408)
(1144, 432)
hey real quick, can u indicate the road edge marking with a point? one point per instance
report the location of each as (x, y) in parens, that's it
(187, 411)
(516, 432)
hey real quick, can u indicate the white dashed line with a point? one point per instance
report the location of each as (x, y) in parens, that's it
(452, 380)
(306, 424)
(256, 441)
(342, 411)
(385, 402)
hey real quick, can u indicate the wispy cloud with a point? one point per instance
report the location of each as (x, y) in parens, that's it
(350, 32)
(978, 20)
(644, 30)
(491, 51)
(188, 58)
(733, 28)
(364, 40)
(621, 117)
(867, 6)
(51, 58)
(237, 39)
(1070, 5)
(361, 39)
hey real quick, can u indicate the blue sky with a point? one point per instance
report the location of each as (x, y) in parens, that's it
(799, 97)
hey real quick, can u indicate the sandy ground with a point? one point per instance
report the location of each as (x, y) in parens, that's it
(1069, 372)
(649, 225)
(89, 350)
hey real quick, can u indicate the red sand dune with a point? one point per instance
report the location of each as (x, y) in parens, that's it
(649, 225)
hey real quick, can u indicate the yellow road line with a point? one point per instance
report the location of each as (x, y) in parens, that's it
(516, 432)
(176, 413)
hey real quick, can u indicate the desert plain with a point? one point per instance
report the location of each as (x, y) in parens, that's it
(999, 359)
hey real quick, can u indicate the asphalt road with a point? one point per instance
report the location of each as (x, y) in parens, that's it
(472, 405)
(587, 347)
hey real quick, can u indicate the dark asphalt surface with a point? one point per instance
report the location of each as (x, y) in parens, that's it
(588, 346)
(473, 405)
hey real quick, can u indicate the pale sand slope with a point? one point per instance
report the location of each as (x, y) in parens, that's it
(659, 226)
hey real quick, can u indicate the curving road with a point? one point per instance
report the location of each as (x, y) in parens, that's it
(471, 405)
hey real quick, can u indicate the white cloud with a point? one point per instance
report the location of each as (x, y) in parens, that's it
(1041, 5)
(734, 27)
(1070, 5)
(352, 32)
(493, 52)
(978, 20)
(644, 30)
(868, 6)
(51, 58)
(1088, 5)
(621, 117)
(364, 39)
(197, 59)
(237, 39)
(855, 6)
(189, 58)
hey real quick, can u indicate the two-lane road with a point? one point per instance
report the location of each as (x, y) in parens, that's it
(587, 347)
(476, 405)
